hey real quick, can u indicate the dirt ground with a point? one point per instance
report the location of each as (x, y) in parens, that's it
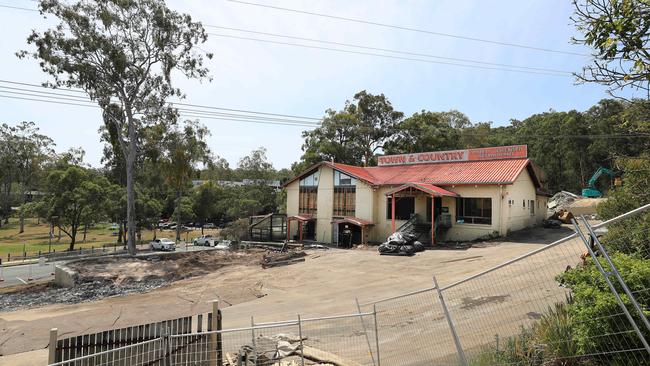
(325, 284)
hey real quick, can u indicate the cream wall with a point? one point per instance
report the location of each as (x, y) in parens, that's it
(325, 204)
(522, 190)
(465, 231)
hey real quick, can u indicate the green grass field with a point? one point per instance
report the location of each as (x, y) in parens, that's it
(36, 238)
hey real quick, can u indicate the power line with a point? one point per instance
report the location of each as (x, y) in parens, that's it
(410, 29)
(174, 103)
(504, 67)
(389, 56)
(17, 8)
(294, 123)
(58, 100)
(58, 96)
(385, 49)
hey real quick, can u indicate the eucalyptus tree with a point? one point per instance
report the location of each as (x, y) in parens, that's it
(185, 147)
(123, 53)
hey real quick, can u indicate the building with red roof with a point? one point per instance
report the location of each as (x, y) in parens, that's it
(457, 195)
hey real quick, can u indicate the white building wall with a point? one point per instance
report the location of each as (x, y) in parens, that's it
(520, 194)
(325, 205)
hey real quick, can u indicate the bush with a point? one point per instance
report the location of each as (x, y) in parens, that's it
(595, 311)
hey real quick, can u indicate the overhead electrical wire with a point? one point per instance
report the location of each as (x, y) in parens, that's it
(386, 49)
(490, 65)
(389, 56)
(215, 111)
(67, 99)
(58, 100)
(410, 29)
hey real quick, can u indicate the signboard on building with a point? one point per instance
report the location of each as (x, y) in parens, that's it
(486, 153)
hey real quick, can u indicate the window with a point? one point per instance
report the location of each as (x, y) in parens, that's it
(404, 208)
(341, 179)
(307, 200)
(531, 207)
(344, 201)
(308, 194)
(474, 210)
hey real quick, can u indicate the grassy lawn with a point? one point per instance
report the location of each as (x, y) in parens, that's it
(36, 237)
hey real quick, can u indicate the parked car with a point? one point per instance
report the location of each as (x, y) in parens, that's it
(209, 225)
(162, 244)
(205, 240)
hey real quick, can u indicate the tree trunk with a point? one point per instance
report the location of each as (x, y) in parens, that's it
(120, 233)
(73, 231)
(178, 215)
(85, 232)
(130, 188)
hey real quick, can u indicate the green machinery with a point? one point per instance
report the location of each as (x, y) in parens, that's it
(591, 191)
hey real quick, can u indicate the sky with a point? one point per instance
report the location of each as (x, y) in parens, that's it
(273, 78)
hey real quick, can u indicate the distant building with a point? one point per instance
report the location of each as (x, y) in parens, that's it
(245, 182)
(462, 194)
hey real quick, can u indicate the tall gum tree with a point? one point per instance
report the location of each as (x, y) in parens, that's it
(123, 54)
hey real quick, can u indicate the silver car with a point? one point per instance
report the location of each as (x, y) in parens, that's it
(205, 240)
(162, 244)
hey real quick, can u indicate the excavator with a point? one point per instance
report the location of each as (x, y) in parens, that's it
(591, 191)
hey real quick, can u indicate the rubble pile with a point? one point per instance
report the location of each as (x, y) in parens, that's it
(400, 243)
(562, 200)
(283, 350)
(274, 259)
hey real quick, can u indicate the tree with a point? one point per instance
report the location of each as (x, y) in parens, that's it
(76, 196)
(425, 131)
(353, 135)
(205, 203)
(185, 148)
(122, 53)
(255, 166)
(619, 33)
(28, 150)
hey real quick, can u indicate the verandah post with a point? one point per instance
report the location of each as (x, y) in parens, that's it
(392, 214)
(433, 220)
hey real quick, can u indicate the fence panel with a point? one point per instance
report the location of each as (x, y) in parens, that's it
(413, 330)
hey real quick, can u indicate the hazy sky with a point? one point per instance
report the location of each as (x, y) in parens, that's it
(291, 80)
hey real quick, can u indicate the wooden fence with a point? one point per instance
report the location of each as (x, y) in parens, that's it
(149, 353)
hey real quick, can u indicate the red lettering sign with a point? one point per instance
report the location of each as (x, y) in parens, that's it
(487, 153)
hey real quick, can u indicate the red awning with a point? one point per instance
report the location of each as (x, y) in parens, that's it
(424, 187)
(303, 217)
(352, 220)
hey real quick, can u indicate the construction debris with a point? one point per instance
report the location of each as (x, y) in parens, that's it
(567, 201)
(274, 259)
(402, 244)
(283, 350)
(563, 216)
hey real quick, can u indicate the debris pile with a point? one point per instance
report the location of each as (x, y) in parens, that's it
(399, 243)
(562, 200)
(283, 350)
(275, 259)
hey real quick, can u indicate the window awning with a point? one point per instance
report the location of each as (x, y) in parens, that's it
(352, 220)
(303, 217)
(423, 187)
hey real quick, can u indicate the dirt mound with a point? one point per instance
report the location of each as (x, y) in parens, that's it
(105, 277)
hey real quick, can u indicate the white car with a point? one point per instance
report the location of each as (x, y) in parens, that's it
(162, 244)
(205, 240)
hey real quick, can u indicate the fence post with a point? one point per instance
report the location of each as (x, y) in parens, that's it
(302, 350)
(365, 331)
(374, 315)
(616, 273)
(254, 345)
(459, 347)
(215, 306)
(213, 352)
(610, 285)
(52, 346)
(167, 347)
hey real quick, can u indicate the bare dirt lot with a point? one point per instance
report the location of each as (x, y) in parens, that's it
(326, 283)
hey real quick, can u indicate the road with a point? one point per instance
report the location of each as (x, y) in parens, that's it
(37, 272)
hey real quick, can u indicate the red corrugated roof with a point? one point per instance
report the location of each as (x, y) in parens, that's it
(424, 187)
(469, 172)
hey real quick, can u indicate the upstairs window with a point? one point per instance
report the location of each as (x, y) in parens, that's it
(308, 194)
(341, 179)
(344, 194)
